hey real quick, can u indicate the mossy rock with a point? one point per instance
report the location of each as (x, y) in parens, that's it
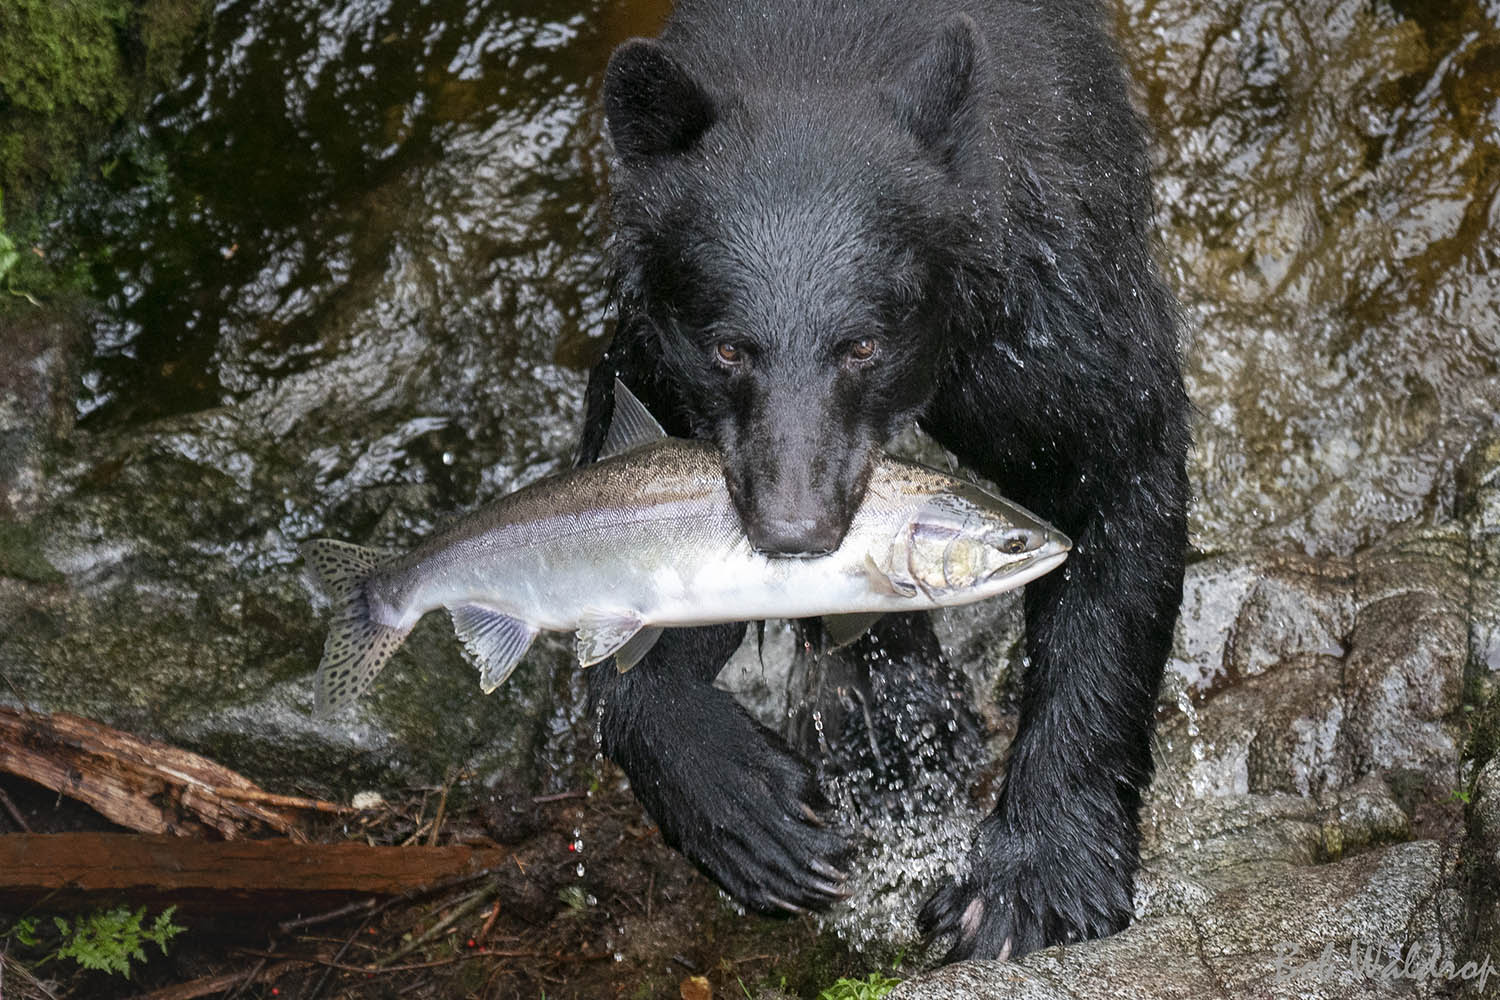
(21, 555)
(69, 71)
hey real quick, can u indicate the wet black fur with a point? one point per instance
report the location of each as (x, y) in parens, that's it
(966, 185)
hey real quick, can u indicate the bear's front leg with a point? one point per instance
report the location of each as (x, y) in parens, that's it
(1056, 861)
(725, 791)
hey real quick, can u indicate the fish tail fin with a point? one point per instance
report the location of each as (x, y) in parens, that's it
(357, 646)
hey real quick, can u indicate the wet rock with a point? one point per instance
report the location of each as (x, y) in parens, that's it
(1364, 815)
(1216, 831)
(1321, 677)
(1256, 930)
(1405, 674)
(1330, 221)
(1484, 860)
(36, 413)
(1479, 495)
(1294, 606)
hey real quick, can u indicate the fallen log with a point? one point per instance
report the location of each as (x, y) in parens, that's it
(143, 784)
(60, 871)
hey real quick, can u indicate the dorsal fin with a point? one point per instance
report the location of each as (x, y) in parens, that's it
(631, 426)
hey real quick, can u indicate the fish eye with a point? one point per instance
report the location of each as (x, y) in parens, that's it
(729, 354)
(1014, 544)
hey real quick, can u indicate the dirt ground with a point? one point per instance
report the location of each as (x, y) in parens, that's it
(592, 904)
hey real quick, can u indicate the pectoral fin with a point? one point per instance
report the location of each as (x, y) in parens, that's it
(844, 629)
(496, 642)
(884, 583)
(603, 633)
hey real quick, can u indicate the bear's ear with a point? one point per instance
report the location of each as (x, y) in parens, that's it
(653, 106)
(943, 83)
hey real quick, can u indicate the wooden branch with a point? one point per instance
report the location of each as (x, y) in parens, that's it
(212, 985)
(264, 876)
(142, 784)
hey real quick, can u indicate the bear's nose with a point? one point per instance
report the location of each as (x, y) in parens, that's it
(794, 537)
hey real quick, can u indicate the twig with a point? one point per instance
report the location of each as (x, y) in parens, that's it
(436, 887)
(476, 899)
(15, 813)
(209, 985)
(22, 702)
(25, 973)
(558, 797)
(421, 826)
(437, 821)
(317, 989)
(288, 926)
(273, 799)
(466, 956)
(249, 978)
(489, 923)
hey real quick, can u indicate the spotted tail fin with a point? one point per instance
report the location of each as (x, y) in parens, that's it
(357, 646)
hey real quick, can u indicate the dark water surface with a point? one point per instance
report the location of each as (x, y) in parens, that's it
(437, 164)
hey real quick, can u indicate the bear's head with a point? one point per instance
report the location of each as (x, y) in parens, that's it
(796, 253)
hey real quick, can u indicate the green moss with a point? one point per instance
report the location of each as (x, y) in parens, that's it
(70, 71)
(875, 987)
(62, 65)
(21, 555)
(167, 28)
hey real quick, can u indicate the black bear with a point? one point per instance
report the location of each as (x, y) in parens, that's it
(832, 219)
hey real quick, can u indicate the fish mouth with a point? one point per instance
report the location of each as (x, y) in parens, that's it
(1041, 567)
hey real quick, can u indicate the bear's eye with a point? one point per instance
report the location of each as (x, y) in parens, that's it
(862, 349)
(729, 354)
